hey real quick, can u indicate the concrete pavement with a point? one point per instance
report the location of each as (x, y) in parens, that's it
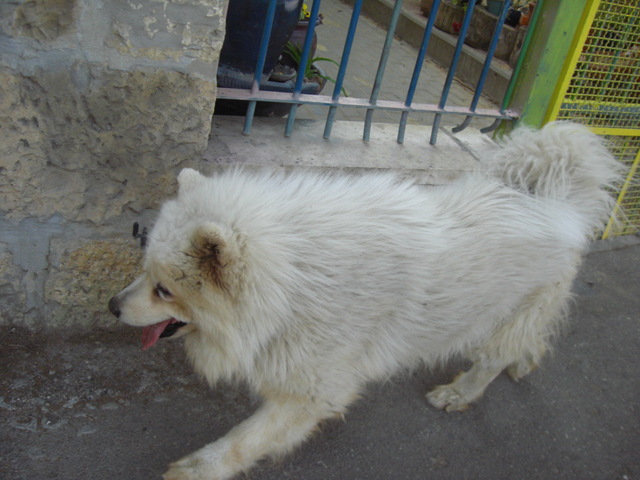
(92, 405)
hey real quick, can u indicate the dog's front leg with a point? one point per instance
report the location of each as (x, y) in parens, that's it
(275, 429)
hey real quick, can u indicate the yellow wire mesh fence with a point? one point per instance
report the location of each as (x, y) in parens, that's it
(604, 93)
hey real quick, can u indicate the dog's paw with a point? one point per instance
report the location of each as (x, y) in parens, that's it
(197, 466)
(185, 470)
(446, 398)
(177, 472)
(518, 370)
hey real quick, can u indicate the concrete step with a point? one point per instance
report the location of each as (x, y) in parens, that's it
(266, 145)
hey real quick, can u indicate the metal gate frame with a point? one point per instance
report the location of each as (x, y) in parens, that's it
(371, 104)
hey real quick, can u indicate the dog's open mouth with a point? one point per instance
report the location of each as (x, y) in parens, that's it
(152, 333)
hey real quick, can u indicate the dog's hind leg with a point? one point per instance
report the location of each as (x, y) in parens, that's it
(278, 426)
(517, 345)
(465, 389)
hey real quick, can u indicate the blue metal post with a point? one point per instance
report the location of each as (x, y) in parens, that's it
(452, 70)
(487, 64)
(514, 78)
(262, 55)
(395, 15)
(416, 71)
(304, 59)
(342, 70)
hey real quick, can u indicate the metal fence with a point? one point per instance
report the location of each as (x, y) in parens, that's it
(337, 101)
(601, 88)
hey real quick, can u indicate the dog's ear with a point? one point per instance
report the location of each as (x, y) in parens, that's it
(211, 252)
(189, 178)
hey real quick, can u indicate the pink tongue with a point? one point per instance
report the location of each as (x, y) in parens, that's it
(151, 334)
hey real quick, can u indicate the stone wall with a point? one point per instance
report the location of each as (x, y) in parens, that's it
(101, 103)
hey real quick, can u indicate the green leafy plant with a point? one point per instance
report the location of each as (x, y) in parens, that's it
(294, 51)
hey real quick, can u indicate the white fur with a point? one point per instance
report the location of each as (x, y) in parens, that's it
(326, 282)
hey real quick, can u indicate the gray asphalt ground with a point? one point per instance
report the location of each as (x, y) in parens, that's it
(92, 405)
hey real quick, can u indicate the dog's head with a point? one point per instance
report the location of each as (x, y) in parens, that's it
(191, 265)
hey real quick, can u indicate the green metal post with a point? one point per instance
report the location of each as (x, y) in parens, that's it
(543, 62)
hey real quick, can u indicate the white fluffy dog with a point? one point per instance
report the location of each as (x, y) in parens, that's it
(308, 286)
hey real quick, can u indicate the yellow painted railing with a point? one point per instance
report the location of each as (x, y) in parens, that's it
(600, 87)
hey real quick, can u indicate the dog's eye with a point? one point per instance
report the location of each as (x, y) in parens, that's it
(162, 292)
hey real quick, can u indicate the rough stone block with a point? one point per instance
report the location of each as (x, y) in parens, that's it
(74, 152)
(521, 33)
(101, 102)
(448, 15)
(507, 42)
(13, 299)
(44, 20)
(481, 28)
(169, 30)
(84, 275)
(483, 24)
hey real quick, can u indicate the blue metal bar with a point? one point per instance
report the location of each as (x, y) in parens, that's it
(262, 55)
(290, 119)
(487, 64)
(452, 70)
(346, 52)
(302, 66)
(418, 67)
(518, 68)
(395, 15)
(248, 119)
(360, 103)
(306, 49)
(492, 127)
(342, 70)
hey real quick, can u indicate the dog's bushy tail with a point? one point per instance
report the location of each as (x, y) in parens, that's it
(563, 160)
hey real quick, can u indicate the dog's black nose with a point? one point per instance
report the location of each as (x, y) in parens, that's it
(114, 307)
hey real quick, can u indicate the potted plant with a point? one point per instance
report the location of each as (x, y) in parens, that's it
(315, 78)
(450, 15)
(495, 6)
(239, 55)
(313, 71)
(245, 24)
(300, 30)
